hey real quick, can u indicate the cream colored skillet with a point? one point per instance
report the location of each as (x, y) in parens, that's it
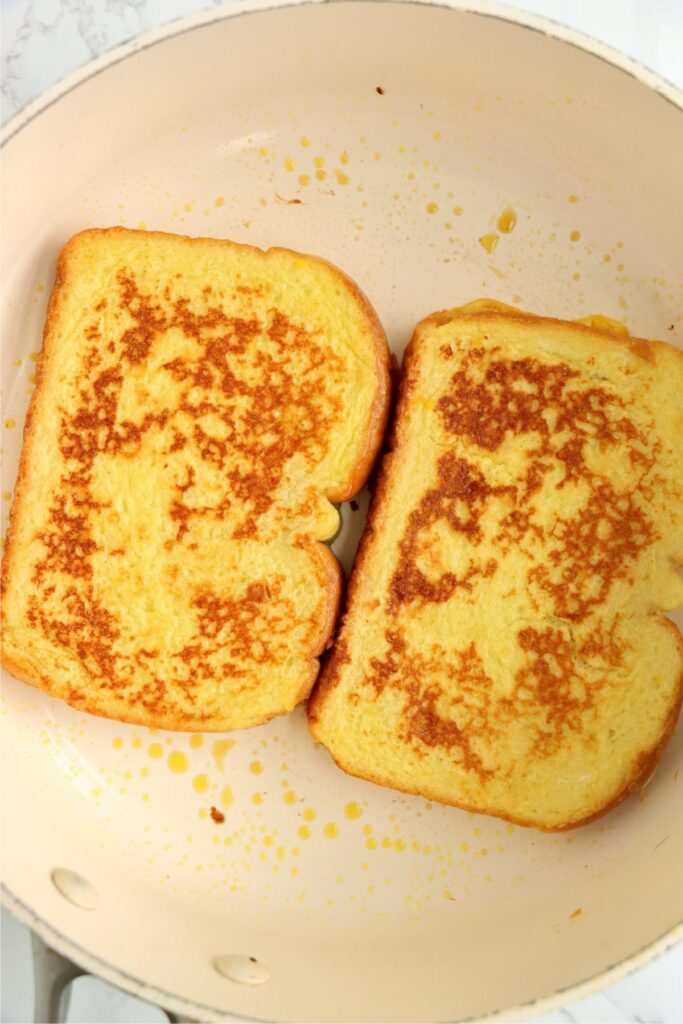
(388, 138)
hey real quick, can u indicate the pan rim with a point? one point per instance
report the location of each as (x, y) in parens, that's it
(152, 993)
(182, 25)
(200, 19)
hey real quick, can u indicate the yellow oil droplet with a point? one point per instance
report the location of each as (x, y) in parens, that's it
(203, 813)
(218, 201)
(353, 811)
(220, 749)
(97, 792)
(137, 742)
(432, 208)
(280, 853)
(227, 798)
(576, 276)
(31, 378)
(263, 151)
(367, 830)
(34, 357)
(342, 179)
(344, 158)
(177, 761)
(304, 832)
(476, 831)
(304, 179)
(575, 236)
(489, 241)
(257, 798)
(188, 207)
(507, 220)
(9, 423)
(321, 175)
(304, 140)
(289, 164)
(331, 830)
(117, 744)
(386, 843)
(200, 783)
(371, 843)
(457, 210)
(376, 156)
(318, 161)
(572, 199)
(16, 362)
(40, 287)
(309, 814)
(464, 846)
(144, 772)
(399, 845)
(255, 767)
(289, 797)
(196, 741)
(263, 201)
(142, 224)
(447, 894)
(268, 841)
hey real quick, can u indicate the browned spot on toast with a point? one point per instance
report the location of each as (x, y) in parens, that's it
(430, 718)
(490, 400)
(550, 684)
(592, 550)
(458, 500)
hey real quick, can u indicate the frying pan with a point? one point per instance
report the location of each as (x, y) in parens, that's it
(389, 138)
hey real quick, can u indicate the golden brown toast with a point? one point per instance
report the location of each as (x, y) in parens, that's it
(503, 647)
(200, 405)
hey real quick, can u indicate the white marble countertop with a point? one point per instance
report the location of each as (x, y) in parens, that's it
(42, 40)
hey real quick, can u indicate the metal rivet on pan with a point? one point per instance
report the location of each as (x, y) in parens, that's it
(247, 970)
(75, 888)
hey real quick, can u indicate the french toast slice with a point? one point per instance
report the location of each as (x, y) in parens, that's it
(200, 406)
(503, 647)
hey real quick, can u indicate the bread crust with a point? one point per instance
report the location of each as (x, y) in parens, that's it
(21, 668)
(330, 676)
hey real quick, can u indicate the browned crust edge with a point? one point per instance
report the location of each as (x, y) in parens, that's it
(375, 431)
(330, 675)
(643, 347)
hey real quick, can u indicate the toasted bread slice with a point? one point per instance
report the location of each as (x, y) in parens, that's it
(503, 647)
(200, 405)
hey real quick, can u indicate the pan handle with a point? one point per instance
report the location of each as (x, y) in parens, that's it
(52, 975)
